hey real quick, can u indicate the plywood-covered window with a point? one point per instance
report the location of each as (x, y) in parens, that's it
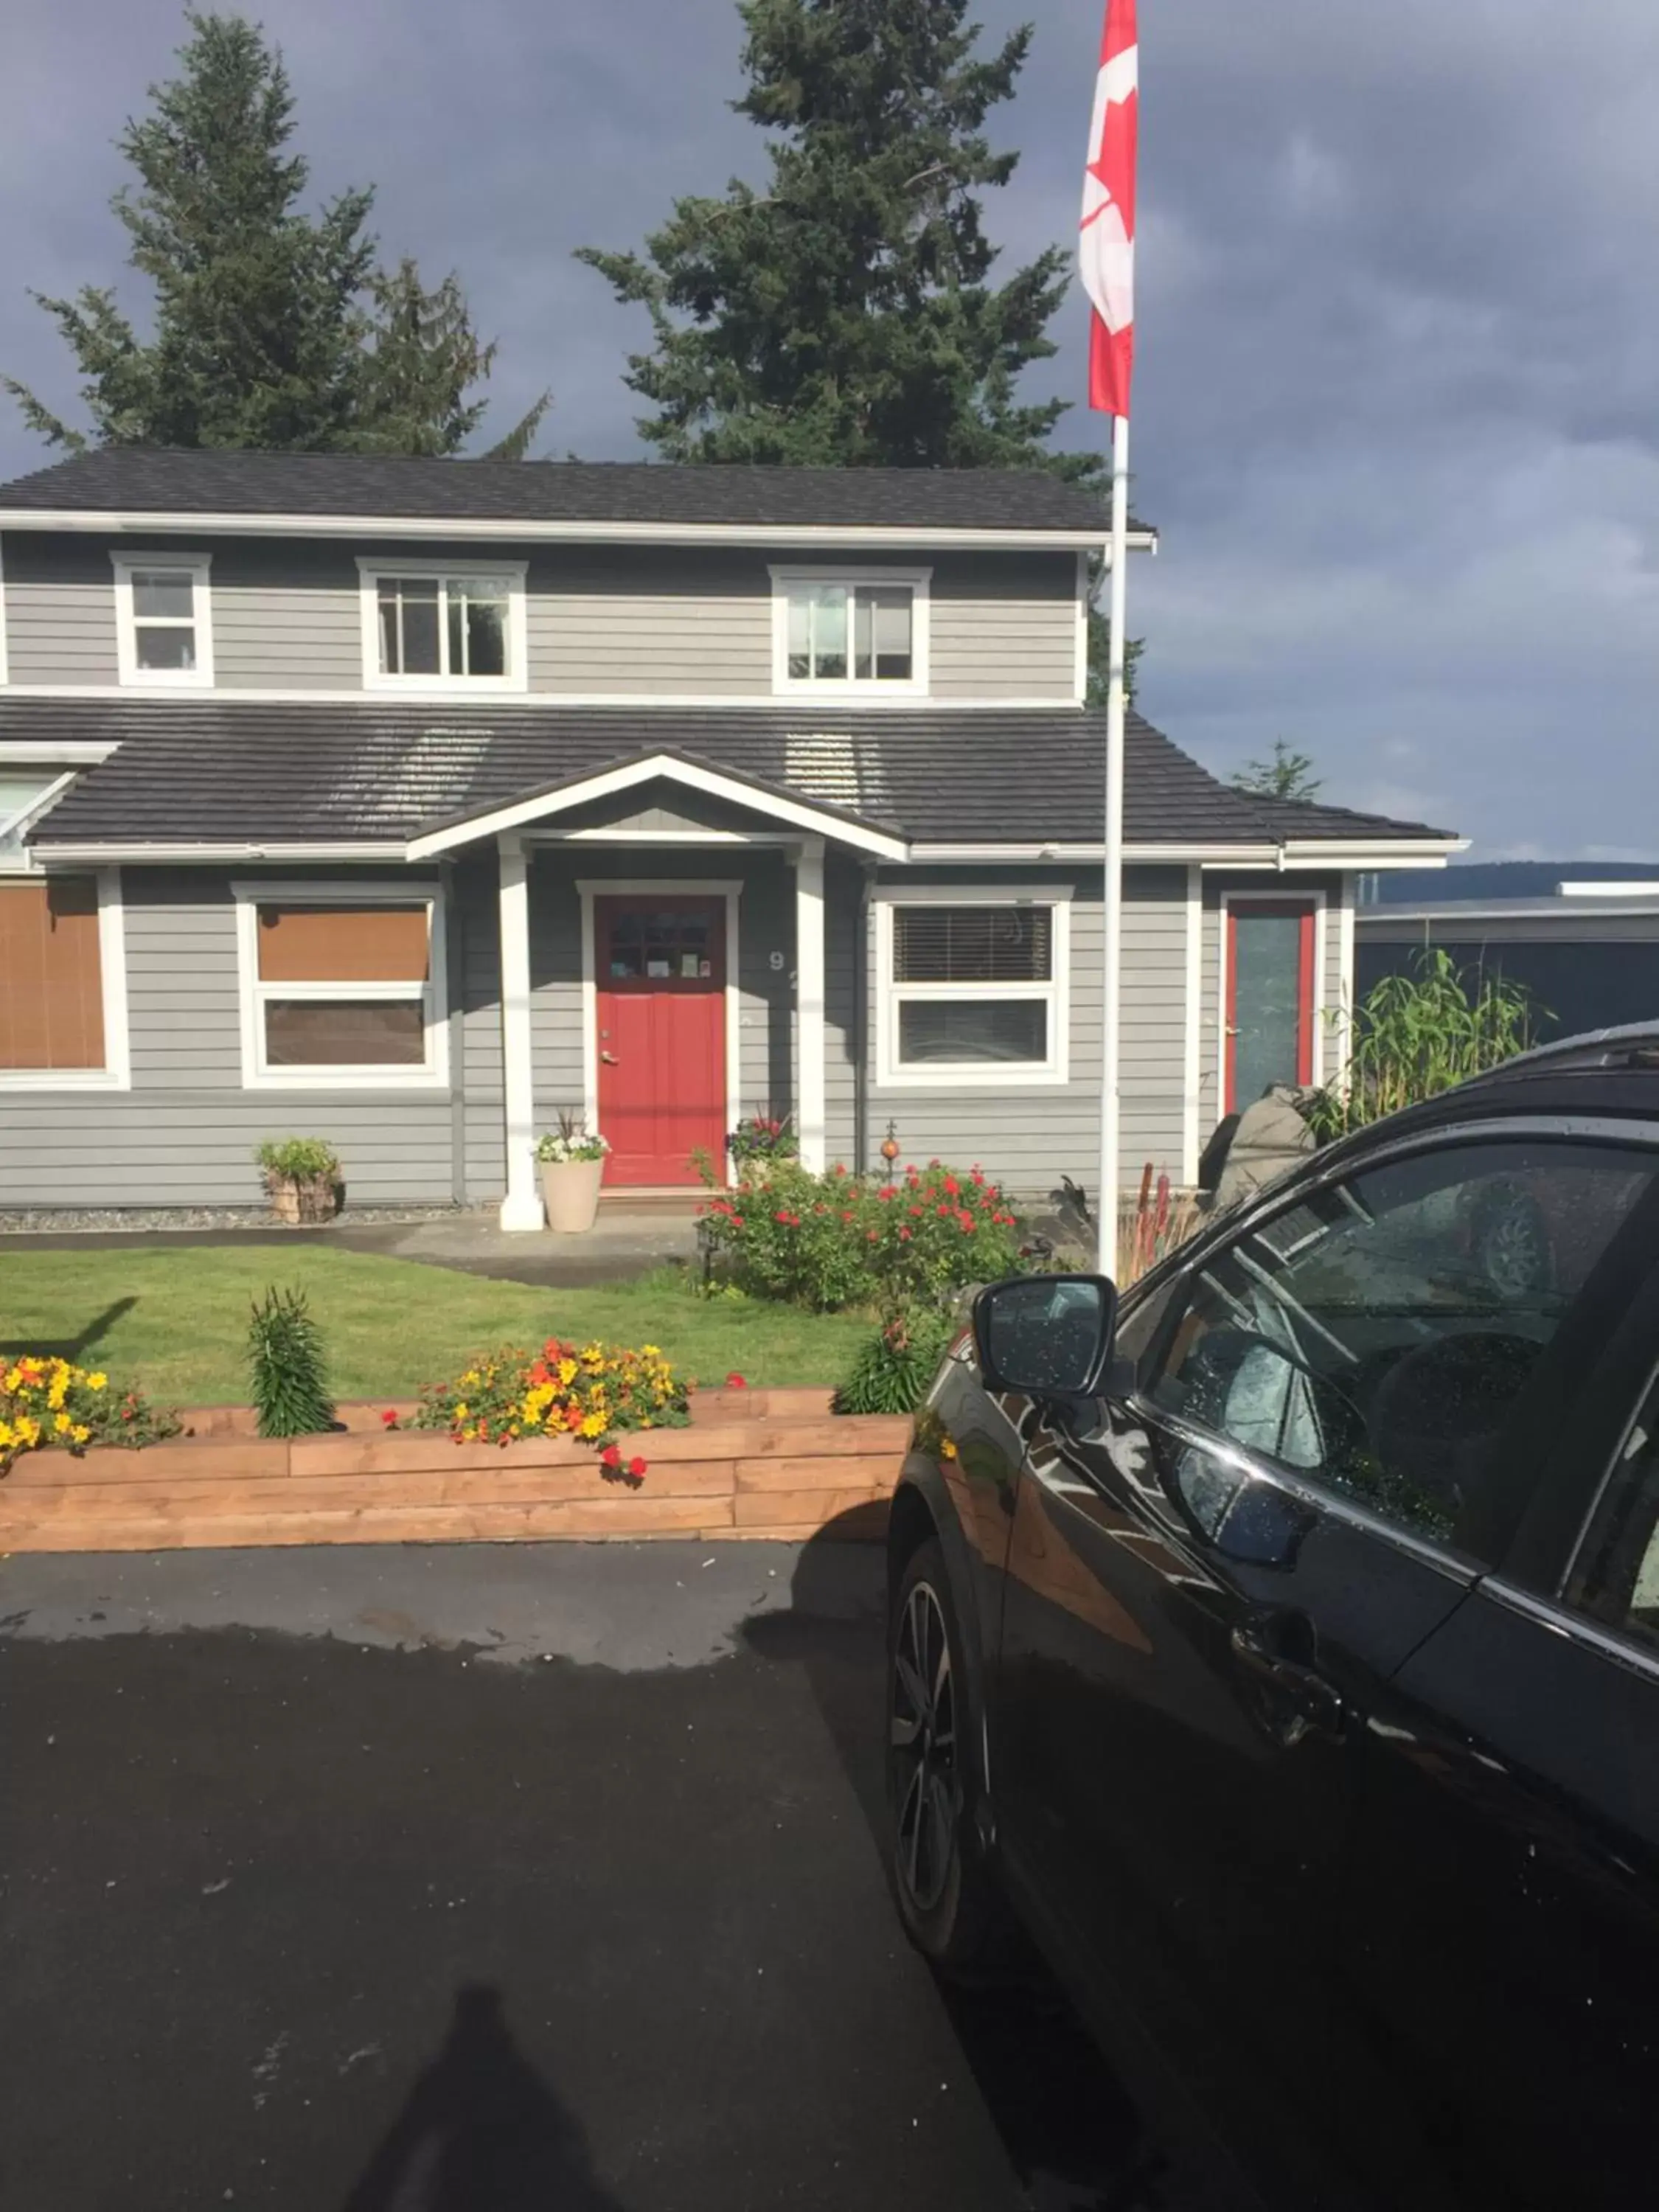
(341, 988)
(52, 977)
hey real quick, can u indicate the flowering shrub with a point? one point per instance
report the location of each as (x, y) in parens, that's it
(45, 1402)
(838, 1240)
(594, 1391)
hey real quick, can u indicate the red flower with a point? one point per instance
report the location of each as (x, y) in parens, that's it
(611, 1456)
(735, 1382)
(781, 1216)
(636, 1467)
(572, 1418)
(943, 1208)
(846, 1213)
(917, 1213)
(965, 1223)
(977, 1174)
(389, 1418)
(737, 1221)
(888, 1190)
(904, 1236)
(952, 1188)
(871, 1236)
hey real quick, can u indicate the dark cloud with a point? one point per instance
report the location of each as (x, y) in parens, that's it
(1397, 408)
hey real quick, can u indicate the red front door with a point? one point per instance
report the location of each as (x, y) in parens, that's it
(661, 971)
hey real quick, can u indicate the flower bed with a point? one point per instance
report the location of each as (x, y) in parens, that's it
(745, 1463)
(47, 1404)
(592, 1392)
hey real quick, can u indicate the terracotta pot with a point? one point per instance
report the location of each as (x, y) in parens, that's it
(303, 1198)
(570, 1192)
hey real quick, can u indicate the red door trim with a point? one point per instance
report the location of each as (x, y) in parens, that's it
(1306, 911)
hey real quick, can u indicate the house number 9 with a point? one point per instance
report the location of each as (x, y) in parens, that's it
(777, 959)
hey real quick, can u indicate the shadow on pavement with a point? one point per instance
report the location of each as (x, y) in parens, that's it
(481, 2132)
(1074, 2137)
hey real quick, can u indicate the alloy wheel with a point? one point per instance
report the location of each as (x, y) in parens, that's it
(923, 1739)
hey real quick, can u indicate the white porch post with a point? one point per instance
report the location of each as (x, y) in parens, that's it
(522, 1208)
(809, 1003)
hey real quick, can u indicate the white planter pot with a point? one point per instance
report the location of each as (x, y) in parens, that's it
(570, 1192)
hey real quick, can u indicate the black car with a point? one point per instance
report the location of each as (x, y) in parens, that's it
(1283, 1643)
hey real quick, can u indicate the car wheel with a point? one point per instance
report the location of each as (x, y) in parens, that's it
(945, 1896)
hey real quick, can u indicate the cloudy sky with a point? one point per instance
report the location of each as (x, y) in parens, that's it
(1398, 385)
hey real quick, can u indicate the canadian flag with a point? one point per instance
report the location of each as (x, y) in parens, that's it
(1106, 245)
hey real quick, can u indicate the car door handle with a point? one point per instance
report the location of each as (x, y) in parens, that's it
(1314, 1703)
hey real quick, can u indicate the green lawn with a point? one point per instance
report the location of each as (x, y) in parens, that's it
(174, 1322)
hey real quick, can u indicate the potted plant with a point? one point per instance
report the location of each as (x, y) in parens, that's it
(760, 1144)
(572, 1162)
(302, 1177)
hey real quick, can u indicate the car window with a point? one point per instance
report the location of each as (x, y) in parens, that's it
(1615, 1579)
(1376, 1335)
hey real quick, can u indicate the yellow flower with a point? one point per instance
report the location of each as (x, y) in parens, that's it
(568, 1371)
(592, 1425)
(28, 1431)
(651, 1351)
(946, 1449)
(80, 1432)
(62, 1425)
(98, 1381)
(461, 1413)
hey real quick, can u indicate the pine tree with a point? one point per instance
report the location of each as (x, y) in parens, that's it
(1287, 774)
(272, 326)
(844, 316)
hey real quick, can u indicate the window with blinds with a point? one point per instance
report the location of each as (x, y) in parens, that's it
(51, 985)
(972, 992)
(973, 944)
(342, 989)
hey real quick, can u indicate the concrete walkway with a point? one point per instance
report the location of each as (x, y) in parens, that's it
(626, 1241)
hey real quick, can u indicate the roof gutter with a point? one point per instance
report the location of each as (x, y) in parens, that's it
(1301, 852)
(473, 529)
(114, 850)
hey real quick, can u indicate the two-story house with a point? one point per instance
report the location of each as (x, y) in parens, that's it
(410, 802)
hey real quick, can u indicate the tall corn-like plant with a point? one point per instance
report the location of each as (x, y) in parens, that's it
(287, 1367)
(1416, 1036)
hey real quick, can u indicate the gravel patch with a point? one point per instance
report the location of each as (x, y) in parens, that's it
(60, 1220)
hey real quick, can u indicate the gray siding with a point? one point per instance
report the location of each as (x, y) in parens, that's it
(1003, 626)
(185, 1132)
(670, 621)
(60, 609)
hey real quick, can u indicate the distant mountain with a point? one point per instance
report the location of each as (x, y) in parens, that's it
(1499, 879)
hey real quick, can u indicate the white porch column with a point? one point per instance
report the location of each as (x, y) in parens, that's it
(809, 1003)
(522, 1208)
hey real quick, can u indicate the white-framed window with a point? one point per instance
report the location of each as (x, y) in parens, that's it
(62, 983)
(972, 987)
(443, 626)
(342, 986)
(28, 789)
(839, 631)
(164, 618)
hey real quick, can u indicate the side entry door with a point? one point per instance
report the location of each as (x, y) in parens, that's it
(1210, 1587)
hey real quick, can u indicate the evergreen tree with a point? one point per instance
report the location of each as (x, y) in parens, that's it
(843, 316)
(272, 327)
(1287, 774)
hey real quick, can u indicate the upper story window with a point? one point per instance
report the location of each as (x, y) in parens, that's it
(163, 618)
(973, 988)
(838, 631)
(456, 626)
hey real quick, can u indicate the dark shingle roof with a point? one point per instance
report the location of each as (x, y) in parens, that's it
(148, 481)
(211, 770)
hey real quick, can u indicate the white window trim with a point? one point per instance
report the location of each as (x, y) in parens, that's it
(371, 568)
(1290, 894)
(597, 887)
(5, 673)
(200, 566)
(116, 1073)
(25, 817)
(920, 581)
(974, 1075)
(252, 993)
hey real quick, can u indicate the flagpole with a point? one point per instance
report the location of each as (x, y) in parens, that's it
(1112, 892)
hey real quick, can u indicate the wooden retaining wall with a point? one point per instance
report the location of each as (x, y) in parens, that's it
(753, 1463)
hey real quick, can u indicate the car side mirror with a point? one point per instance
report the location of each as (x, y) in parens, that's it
(1046, 1336)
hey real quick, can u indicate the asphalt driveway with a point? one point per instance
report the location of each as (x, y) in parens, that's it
(490, 1878)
